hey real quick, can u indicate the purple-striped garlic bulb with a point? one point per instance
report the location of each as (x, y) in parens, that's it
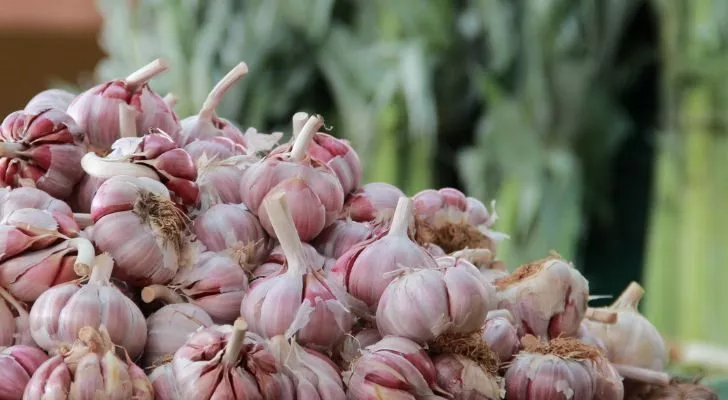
(232, 228)
(169, 328)
(465, 379)
(28, 197)
(215, 282)
(422, 304)
(219, 180)
(630, 338)
(336, 153)
(351, 347)
(42, 148)
(154, 156)
(373, 202)
(313, 374)
(223, 362)
(370, 266)
(206, 125)
(563, 368)
(17, 364)
(315, 194)
(301, 301)
(340, 237)
(62, 311)
(89, 369)
(36, 255)
(97, 110)
(141, 227)
(393, 368)
(501, 335)
(50, 98)
(449, 219)
(14, 321)
(275, 262)
(547, 297)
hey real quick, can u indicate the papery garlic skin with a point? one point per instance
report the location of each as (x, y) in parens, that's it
(375, 201)
(393, 368)
(169, 328)
(501, 335)
(548, 377)
(232, 228)
(49, 98)
(44, 147)
(60, 313)
(17, 364)
(216, 148)
(423, 304)
(88, 370)
(352, 345)
(340, 237)
(547, 298)
(27, 197)
(464, 379)
(219, 180)
(14, 322)
(164, 383)
(275, 262)
(313, 374)
(247, 368)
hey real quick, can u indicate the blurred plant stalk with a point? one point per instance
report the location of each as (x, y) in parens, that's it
(688, 249)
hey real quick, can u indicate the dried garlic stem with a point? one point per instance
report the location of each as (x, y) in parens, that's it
(298, 120)
(145, 73)
(85, 255)
(285, 229)
(300, 145)
(171, 100)
(103, 264)
(127, 120)
(161, 292)
(8, 149)
(630, 297)
(83, 220)
(643, 374)
(235, 343)
(102, 168)
(601, 315)
(401, 218)
(216, 94)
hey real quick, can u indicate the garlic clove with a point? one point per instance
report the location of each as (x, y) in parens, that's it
(465, 379)
(50, 98)
(168, 329)
(373, 202)
(501, 335)
(18, 363)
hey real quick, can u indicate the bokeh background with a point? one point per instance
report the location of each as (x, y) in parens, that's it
(598, 127)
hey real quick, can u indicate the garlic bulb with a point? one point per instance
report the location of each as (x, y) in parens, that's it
(547, 297)
(393, 368)
(223, 362)
(464, 379)
(17, 364)
(142, 229)
(218, 148)
(449, 219)
(632, 339)
(154, 156)
(44, 147)
(164, 383)
(60, 313)
(313, 374)
(375, 201)
(299, 301)
(563, 368)
(341, 236)
(50, 98)
(97, 109)
(89, 369)
(234, 229)
(219, 180)
(501, 335)
(14, 322)
(168, 329)
(36, 255)
(351, 347)
(216, 283)
(27, 197)
(484, 259)
(316, 195)
(422, 304)
(367, 268)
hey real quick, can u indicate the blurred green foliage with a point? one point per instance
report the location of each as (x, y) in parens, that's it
(387, 75)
